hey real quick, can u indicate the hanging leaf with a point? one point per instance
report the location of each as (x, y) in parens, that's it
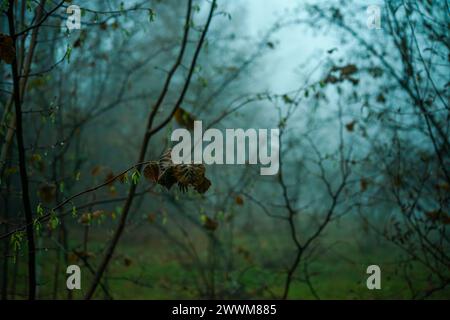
(85, 218)
(203, 186)
(112, 191)
(135, 177)
(381, 98)
(37, 225)
(110, 178)
(151, 171)
(123, 178)
(74, 211)
(47, 192)
(166, 173)
(37, 162)
(7, 51)
(53, 222)
(348, 70)
(189, 174)
(166, 178)
(96, 170)
(363, 183)
(97, 214)
(127, 261)
(39, 210)
(350, 126)
(239, 200)
(151, 15)
(287, 99)
(151, 217)
(208, 223)
(184, 118)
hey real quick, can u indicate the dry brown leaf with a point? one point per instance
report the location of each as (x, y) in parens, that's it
(184, 118)
(7, 51)
(127, 261)
(203, 186)
(363, 183)
(96, 170)
(210, 224)
(151, 171)
(97, 214)
(47, 192)
(110, 178)
(151, 217)
(348, 70)
(350, 126)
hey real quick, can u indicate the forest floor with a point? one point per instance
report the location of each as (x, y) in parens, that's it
(152, 268)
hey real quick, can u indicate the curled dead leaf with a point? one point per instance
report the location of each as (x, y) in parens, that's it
(184, 175)
(151, 171)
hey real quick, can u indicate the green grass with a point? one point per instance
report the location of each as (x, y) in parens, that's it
(156, 270)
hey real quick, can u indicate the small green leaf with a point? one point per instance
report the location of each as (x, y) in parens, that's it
(16, 240)
(37, 225)
(135, 176)
(151, 15)
(74, 211)
(68, 53)
(40, 210)
(54, 221)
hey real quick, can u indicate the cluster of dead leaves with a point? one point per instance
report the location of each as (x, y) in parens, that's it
(87, 217)
(7, 51)
(339, 74)
(166, 173)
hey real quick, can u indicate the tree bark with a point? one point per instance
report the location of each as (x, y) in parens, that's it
(22, 165)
